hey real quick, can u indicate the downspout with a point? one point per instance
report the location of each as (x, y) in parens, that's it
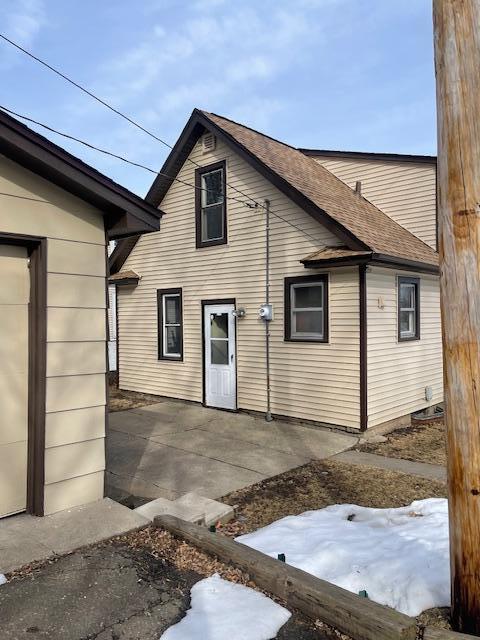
(268, 414)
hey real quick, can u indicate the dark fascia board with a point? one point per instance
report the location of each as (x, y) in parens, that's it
(376, 259)
(365, 155)
(126, 212)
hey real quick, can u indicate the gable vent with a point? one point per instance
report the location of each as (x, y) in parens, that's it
(208, 143)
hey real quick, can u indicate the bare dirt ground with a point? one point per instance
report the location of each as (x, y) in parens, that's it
(322, 483)
(122, 400)
(423, 443)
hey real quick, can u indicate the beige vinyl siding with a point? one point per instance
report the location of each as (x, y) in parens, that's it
(398, 372)
(405, 191)
(76, 330)
(311, 381)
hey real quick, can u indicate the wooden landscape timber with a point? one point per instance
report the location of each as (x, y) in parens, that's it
(457, 63)
(432, 633)
(358, 617)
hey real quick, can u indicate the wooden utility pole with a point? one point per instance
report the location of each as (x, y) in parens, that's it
(457, 65)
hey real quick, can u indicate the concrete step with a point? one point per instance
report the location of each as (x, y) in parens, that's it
(190, 507)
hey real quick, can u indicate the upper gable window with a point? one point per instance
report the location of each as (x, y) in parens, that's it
(210, 206)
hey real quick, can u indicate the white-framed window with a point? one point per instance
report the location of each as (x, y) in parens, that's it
(408, 308)
(210, 205)
(306, 309)
(170, 324)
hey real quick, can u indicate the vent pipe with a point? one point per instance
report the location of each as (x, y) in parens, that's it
(358, 188)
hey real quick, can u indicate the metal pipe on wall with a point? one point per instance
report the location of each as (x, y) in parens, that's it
(268, 414)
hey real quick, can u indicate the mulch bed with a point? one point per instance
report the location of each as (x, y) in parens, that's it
(420, 443)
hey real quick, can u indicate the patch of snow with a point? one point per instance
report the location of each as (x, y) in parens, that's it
(399, 556)
(3, 579)
(222, 610)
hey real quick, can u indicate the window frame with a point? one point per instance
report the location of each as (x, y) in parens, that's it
(321, 278)
(416, 283)
(222, 165)
(161, 294)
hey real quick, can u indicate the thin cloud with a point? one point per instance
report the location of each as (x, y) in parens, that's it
(23, 19)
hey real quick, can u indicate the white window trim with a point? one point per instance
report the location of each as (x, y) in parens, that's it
(413, 333)
(165, 353)
(293, 310)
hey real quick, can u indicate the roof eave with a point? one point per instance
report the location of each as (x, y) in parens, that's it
(375, 259)
(125, 213)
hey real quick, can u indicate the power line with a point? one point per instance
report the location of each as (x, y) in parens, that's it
(149, 169)
(108, 106)
(115, 155)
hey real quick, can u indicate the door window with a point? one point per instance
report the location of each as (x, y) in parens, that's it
(219, 338)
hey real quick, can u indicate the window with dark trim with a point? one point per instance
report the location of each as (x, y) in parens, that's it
(306, 308)
(408, 296)
(210, 205)
(170, 324)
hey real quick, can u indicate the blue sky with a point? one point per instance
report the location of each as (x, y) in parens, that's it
(340, 74)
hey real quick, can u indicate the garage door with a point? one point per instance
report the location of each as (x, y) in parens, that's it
(14, 298)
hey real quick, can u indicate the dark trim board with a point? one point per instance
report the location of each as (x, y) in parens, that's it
(320, 277)
(107, 361)
(376, 260)
(205, 303)
(198, 205)
(362, 295)
(37, 366)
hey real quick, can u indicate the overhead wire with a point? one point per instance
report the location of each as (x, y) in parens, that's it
(109, 106)
(146, 168)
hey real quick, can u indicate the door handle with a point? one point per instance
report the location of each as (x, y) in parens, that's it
(231, 357)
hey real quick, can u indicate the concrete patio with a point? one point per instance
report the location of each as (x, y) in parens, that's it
(25, 538)
(167, 449)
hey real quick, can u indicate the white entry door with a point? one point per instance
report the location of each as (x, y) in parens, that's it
(220, 356)
(14, 299)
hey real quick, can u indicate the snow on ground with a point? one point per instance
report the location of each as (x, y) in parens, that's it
(399, 556)
(222, 610)
(3, 579)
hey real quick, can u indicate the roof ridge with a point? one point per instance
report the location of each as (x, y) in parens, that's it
(382, 154)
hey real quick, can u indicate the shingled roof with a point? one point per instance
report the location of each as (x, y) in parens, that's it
(360, 225)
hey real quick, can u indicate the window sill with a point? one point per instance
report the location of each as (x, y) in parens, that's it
(171, 358)
(412, 339)
(316, 340)
(211, 243)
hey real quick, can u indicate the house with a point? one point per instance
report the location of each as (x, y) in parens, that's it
(355, 339)
(57, 215)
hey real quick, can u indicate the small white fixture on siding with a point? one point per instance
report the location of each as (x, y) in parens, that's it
(208, 143)
(381, 302)
(266, 312)
(428, 394)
